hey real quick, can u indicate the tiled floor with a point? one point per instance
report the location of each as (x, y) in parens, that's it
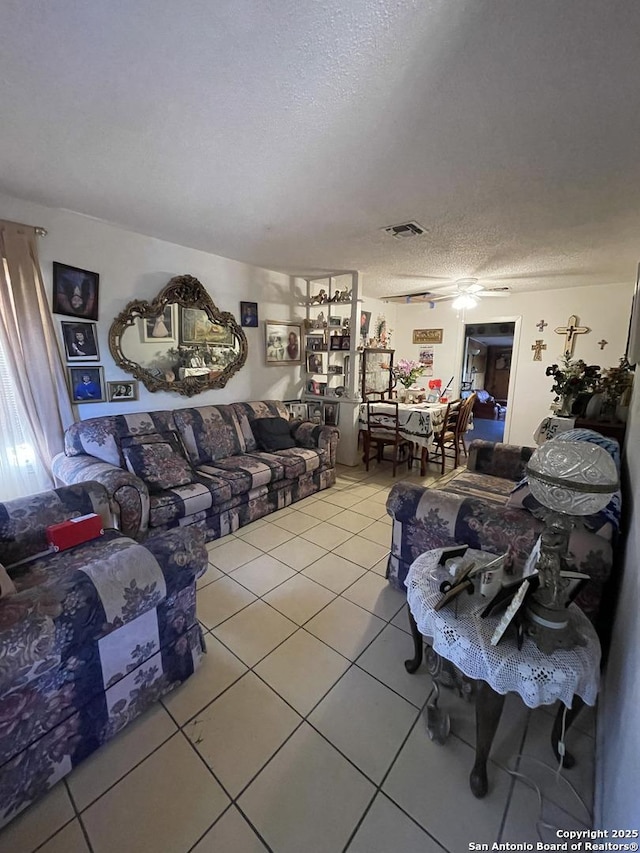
(302, 731)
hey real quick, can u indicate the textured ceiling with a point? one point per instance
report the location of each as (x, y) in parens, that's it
(287, 134)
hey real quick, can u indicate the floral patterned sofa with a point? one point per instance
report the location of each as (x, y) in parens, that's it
(488, 506)
(210, 472)
(89, 639)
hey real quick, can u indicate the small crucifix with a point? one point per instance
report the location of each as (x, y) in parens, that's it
(541, 325)
(602, 344)
(537, 350)
(570, 331)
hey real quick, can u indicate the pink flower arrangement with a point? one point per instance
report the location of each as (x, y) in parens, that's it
(407, 371)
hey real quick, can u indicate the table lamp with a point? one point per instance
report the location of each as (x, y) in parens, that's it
(570, 479)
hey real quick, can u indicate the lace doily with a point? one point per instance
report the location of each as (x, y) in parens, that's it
(460, 635)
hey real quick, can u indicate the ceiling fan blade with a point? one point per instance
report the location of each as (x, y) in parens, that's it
(500, 294)
(407, 298)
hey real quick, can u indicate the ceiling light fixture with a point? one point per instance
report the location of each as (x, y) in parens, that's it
(463, 301)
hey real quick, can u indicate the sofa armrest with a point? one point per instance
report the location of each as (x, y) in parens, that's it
(311, 435)
(128, 494)
(508, 461)
(182, 555)
(24, 521)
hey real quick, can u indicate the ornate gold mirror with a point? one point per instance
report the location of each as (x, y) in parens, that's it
(178, 342)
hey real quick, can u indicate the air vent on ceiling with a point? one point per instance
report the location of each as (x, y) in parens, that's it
(405, 231)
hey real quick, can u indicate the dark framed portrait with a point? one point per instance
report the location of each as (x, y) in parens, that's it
(249, 314)
(86, 384)
(75, 291)
(80, 341)
(197, 328)
(121, 392)
(330, 413)
(345, 341)
(365, 320)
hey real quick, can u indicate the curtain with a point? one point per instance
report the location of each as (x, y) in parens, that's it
(34, 404)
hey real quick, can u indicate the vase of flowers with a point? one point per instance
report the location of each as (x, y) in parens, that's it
(615, 385)
(570, 379)
(407, 372)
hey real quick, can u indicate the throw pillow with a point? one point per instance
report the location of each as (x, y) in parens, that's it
(7, 586)
(272, 434)
(158, 465)
(306, 435)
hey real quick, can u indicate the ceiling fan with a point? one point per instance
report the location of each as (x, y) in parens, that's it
(464, 293)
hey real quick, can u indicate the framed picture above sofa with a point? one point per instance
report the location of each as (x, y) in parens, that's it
(282, 341)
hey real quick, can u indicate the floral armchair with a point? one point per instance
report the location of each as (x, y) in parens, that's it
(91, 637)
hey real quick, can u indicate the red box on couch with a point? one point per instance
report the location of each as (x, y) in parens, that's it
(66, 534)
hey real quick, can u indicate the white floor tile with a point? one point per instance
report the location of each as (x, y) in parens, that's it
(334, 572)
(386, 828)
(401, 619)
(262, 574)
(267, 537)
(37, 823)
(372, 731)
(380, 568)
(279, 513)
(112, 761)
(305, 503)
(375, 594)
(231, 834)
(308, 798)
(69, 840)
(327, 535)
(341, 499)
(373, 510)
(359, 550)
(299, 598)
(431, 783)
(385, 658)
(233, 554)
(345, 627)
(378, 532)
(297, 522)
(298, 553)
(322, 511)
(166, 804)
(213, 544)
(250, 528)
(238, 733)
(220, 600)
(218, 670)
(254, 632)
(302, 670)
(211, 574)
(364, 491)
(354, 522)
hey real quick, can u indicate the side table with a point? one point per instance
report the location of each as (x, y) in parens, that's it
(460, 635)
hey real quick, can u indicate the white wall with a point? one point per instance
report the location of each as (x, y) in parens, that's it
(604, 310)
(617, 775)
(132, 266)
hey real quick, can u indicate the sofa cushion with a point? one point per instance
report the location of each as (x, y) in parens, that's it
(205, 493)
(102, 437)
(272, 434)
(301, 460)
(159, 465)
(246, 471)
(306, 434)
(247, 413)
(210, 433)
(471, 485)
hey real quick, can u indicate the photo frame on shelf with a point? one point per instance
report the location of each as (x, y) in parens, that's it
(335, 342)
(315, 412)
(122, 392)
(298, 410)
(317, 362)
(80, 340)
(330, 413)
(345, 342)
(335, 322)
(161, 328)
(335, 370)
(315, 343)
(86, 384)
(282, 341)
(75, 291)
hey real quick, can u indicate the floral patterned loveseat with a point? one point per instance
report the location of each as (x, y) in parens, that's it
(488, 506)
(219, 479)
(89, 639)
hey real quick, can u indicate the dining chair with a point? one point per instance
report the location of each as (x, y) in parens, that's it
(383, 430)
(454, 426)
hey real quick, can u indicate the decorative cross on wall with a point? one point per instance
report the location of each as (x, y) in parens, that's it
(541, 325)
(602, 344)
(570, 331)
(537, 350)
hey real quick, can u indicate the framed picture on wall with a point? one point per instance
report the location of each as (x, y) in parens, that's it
(80, 341)
(282, 342)
(249, 314)
(75, 291)
(161, 328)
(86, 384)
(122, 392)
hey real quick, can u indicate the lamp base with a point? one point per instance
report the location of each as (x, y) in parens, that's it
(551, 628)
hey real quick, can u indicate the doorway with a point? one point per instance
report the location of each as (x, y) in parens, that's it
(486, 370)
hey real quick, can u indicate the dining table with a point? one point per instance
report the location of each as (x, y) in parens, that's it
(417, 423)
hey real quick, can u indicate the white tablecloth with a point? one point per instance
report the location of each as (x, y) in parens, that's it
(461, 636)
(418, 421)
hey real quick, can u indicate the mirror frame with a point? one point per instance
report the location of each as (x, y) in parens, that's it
(188, 292)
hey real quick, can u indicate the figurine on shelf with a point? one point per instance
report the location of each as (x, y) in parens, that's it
(320, 298)
(345, 295)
